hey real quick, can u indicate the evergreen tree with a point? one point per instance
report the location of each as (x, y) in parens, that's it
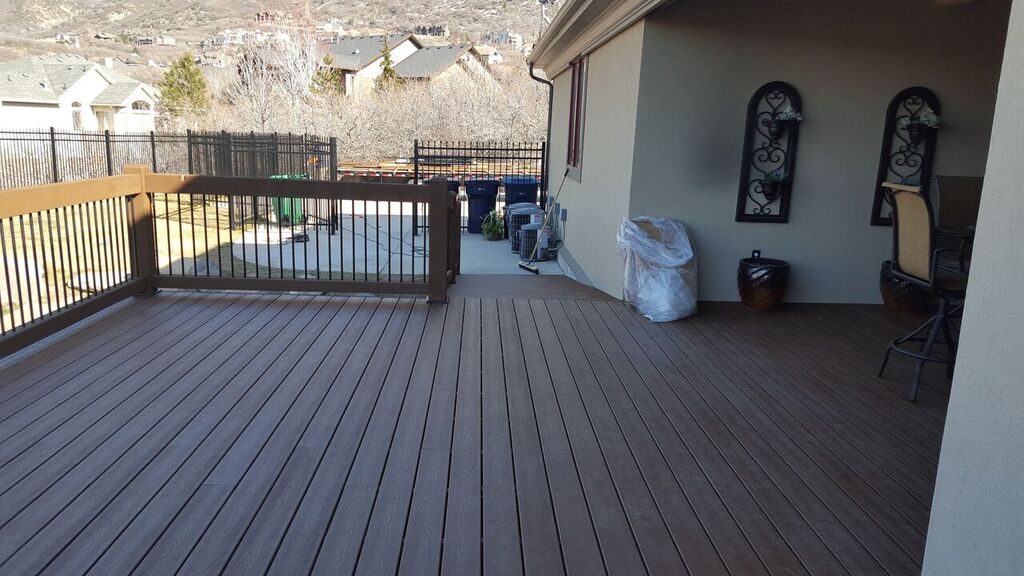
(183, 88)
(388, 77)
(328, 79)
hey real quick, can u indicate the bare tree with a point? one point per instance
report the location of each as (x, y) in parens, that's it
(255, 91)
(381, 124)
(295, 62)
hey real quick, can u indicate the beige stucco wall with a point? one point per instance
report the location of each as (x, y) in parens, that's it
(702, 61)
(598, 202)
(977, 522)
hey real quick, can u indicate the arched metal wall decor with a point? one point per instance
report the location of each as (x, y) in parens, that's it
(769, 155)
(906, 154)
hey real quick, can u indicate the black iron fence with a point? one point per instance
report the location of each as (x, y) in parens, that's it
(519, 164)
(29, 158)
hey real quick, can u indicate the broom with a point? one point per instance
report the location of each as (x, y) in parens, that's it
(528, 265)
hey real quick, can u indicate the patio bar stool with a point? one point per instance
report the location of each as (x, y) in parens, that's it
(916, 260)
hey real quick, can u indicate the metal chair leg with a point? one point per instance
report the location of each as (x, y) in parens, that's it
(926, 350)
(885, 360)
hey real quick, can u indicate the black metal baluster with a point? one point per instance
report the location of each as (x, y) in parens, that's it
(206, 235)
(316, 233)
(59, 253)
(266, 217)
(7, 271)
(376, 227)
(366, 245)
(391, 252)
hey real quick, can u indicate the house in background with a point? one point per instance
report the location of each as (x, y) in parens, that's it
(444, 63)
(650, 116)
(71, 93)
(491, 55)
(360, 58)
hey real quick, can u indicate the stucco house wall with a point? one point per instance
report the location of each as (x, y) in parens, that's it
(32, 116)
(702, 61)
(977, 520)
(83, 92)
(600, 199)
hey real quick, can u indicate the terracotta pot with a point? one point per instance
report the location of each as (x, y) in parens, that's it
(900, 296)
(762, 282)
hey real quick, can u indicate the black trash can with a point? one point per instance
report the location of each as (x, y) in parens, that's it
(483, 196)
(521, 189)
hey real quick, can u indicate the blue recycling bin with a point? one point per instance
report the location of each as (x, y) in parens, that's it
(521, 189)
(483, 195)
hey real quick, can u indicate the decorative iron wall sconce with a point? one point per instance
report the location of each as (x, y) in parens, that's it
(908, 148)
(769, 154)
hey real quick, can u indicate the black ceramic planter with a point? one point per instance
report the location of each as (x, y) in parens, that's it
(771, 190)
(900, 296)
(762, 282)
(917, 132)
(777, 128)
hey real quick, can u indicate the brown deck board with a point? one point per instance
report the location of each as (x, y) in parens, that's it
(580, 551)
(501, 529)
(851, 382)
(855, 425)
(247, 484)
(821, 430)
(345, 535)
(301, 544)
(340, 371)
(101, 332)
(125, 424)
(382, 543)
(461, 552)
(84, 529)
(424, 529)
(653, 536)
(501, 433)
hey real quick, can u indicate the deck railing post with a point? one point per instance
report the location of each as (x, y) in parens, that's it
(437, 231)
(143, 237)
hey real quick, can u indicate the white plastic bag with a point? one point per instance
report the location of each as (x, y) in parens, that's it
(661, 268)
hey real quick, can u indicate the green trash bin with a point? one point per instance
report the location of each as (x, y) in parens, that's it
(288, 209)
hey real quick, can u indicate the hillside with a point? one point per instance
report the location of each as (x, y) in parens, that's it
(195, 20)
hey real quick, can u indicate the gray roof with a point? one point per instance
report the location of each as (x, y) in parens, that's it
(356, 52)
(430, 61)
(115, 94)
(45, 78)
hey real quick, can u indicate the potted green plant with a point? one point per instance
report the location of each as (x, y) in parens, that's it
(782, 122)
(771, 184)
(918, 125)
(493, 226)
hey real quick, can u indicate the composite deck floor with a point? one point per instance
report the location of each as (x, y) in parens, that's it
(284, 434)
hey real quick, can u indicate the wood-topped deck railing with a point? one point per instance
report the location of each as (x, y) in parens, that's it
(68, 250)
